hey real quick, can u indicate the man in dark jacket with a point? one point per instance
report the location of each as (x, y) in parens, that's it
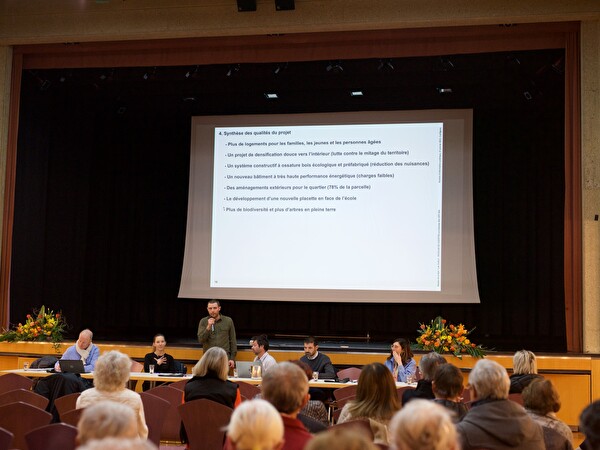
(494, 422)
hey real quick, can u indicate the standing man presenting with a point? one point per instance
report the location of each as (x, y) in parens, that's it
(217, 330)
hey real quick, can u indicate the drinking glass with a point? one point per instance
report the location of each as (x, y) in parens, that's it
(26, 365)
(315, 376)
(151, 368)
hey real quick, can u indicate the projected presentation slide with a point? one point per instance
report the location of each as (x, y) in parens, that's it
(331, 207)
(338, 192)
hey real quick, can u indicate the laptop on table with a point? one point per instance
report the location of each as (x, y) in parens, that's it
(71, 366)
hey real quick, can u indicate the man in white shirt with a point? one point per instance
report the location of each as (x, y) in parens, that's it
(260, 347)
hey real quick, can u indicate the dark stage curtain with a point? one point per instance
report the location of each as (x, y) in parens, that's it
(100, 217)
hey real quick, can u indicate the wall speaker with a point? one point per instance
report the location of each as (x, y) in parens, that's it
(285, 5)
(246, 5)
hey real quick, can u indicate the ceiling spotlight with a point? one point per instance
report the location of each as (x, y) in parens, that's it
(356, 93)
(558, 66)
(233, 70)
(334, 67)
(149, 74)
(280, 68)
(285, 5)
(271, 95)
(107, 76)
(444, 90)
(385, 65)
(192, 72)
(445, 64)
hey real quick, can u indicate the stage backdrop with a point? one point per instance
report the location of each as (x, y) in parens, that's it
(102, 185)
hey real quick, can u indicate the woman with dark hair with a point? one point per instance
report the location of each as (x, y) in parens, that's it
(376, 400)
(542, 402)
(401, 362)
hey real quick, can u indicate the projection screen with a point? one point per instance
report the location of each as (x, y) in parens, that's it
(336, 207)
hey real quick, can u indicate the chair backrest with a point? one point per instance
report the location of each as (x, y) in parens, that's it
(180, 385)
(12, 381)
(204, 421)
(56, 436)
(248, 391)
(466, 395)
(20, 418)
(172, 423)
(6, 438)
(155, 411)
(351, 372)
(66, 403)
(136, 366)
(360, 426)
(21, 395)
(418, 374)
(517, 398)
(556, 441)
(401, 391)
(72, 417)
(344, 394)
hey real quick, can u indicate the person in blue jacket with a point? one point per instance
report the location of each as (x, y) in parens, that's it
(401, 361)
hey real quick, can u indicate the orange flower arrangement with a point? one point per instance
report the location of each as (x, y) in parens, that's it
(441, 337)
(43, 325)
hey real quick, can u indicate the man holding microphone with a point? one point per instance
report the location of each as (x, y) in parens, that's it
(217, 330)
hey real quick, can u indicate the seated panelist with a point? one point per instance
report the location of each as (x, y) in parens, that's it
(318, 362)
(162, 361)
(401, 362)
(84, 350)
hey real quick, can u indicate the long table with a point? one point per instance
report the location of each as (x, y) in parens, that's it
(171, 378)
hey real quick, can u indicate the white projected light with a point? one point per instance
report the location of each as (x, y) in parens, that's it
(331, 207)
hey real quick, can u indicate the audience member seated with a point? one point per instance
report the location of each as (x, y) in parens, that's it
(210, 380)
(428, 365)
(314, 409)
(340, 440)
(255, 425)
(589, 424)
(423, 425)
(110, 379)
(107, 419)
(541, 402)
(447, 387)
(494, 422)
(401, 361)
(84, 350)
(260, 348)
(318, 362)
(285, 386)
(162, 361)
(524, 370)
(118, 444)
(376, 400)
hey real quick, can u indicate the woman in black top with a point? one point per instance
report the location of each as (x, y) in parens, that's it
(163, 362)
(210, 380)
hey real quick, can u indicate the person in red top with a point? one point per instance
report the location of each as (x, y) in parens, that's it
(285, 386)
